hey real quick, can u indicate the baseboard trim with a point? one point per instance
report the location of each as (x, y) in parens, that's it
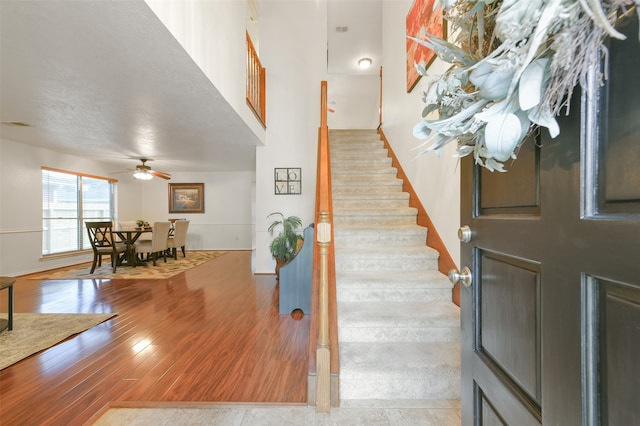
(445, 261)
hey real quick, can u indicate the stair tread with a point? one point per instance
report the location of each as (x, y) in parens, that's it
(408, 359)
(364, 195)
(385, 252)
(380, 211)
(399, 314)
(391, 279)
(399, 329)
(400, 403)
(376, 229)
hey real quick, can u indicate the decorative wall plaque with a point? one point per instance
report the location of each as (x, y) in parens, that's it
(288, 181)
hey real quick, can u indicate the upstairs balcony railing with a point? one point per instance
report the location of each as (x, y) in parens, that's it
(256, 83)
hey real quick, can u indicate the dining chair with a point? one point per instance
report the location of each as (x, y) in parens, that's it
(179, 238)
(157, 244)
(173, 223)
(103, 243)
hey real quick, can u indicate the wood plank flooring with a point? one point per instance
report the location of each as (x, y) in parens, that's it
(210, 334)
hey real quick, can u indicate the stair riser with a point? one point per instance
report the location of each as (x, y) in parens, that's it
(438, 387)
(366, 179)
(366, 186)
(373, 162)
(370, 212)
(368, 204)
(374, 152)
(360, 146)
(341, 169)
(381, 191)
(386, 265)
(346, 171)
(399, 334)
(390, 295)
(391, 195)
(387, 239)
(350, 137)
(374, 220)
(342, 139)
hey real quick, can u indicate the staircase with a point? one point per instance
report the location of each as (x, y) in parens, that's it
(398, 329)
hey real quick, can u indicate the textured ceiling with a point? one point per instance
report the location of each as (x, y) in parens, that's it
(106, 80)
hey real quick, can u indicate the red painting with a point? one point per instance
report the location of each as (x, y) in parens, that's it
(421, 19)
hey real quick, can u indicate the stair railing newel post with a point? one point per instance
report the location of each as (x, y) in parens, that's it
(323, 358)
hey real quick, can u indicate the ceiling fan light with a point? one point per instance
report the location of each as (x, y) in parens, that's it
(365, 63)
(142, 175)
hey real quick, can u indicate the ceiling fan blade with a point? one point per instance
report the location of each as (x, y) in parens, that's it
(122, 171)
(161, 175)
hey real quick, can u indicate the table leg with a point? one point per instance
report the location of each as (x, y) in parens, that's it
(10, 308)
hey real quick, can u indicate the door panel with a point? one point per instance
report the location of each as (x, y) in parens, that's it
(508, 326)
(489, 416)
(551, 322)
(618, 153)
(495, 198)
(612, 333)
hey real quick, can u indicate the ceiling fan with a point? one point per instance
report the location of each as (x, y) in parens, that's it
(144, 172)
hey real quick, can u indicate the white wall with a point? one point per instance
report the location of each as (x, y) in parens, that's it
(355, 100)
(293, 44)
(21, 205)
(435, 179)
(227, 223)
(214, 35)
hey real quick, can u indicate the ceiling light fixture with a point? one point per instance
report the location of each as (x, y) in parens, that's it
(142, 175)
(365, 63)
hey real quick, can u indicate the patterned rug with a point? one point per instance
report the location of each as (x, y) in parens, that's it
(160, 271)
(33, 333)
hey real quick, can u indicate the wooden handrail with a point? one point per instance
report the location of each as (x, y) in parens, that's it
(380, 105)
(256, 83)
(324, 365)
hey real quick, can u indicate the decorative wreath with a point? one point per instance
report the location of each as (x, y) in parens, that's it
(514, 65)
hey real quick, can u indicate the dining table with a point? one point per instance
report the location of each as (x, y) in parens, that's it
(129, 236)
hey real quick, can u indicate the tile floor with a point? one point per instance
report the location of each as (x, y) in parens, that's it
(370, 413)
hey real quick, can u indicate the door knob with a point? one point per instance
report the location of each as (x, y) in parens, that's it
(464, 276)
(464, 234)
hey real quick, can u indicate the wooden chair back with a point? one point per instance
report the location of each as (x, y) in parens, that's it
(100, 235)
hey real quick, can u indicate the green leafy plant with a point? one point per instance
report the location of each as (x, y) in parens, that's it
(284, 245)
(140, 222)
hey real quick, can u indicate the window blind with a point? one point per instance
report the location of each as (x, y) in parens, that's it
(68, 200)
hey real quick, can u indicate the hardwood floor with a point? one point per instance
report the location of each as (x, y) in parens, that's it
(212, 333)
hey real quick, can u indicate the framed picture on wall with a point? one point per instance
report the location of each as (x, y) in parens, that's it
(186, 198)
(422, 19)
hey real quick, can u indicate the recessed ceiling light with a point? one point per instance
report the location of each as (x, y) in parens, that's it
(364, 63)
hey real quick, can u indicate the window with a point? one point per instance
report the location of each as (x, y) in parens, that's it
(68, 200)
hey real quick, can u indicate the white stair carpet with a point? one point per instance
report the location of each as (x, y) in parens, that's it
(399, 331)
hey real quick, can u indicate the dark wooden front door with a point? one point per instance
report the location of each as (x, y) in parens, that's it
(551, 321)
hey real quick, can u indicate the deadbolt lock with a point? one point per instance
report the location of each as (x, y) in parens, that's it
(464, 234)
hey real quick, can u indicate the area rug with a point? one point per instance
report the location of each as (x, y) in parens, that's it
(33, 333)
(160, 271)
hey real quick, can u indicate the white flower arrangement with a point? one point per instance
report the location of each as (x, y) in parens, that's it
(513, 68)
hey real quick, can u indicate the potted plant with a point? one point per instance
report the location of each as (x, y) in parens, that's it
(285, 245)
(139, 223)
